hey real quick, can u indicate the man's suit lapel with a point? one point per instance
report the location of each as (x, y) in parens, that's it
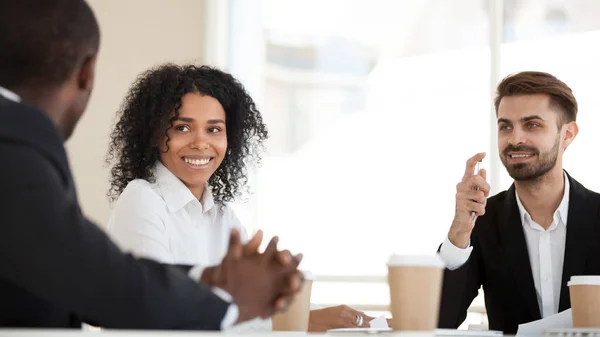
(513, 241)
(580, 227)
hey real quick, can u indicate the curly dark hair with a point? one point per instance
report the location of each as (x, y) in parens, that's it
(146, 115)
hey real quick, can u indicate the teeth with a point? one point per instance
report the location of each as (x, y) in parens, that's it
(520, 155)
(197, 162)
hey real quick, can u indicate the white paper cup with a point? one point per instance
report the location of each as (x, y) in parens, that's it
(295, 318)
(584, 291)
(415, 288)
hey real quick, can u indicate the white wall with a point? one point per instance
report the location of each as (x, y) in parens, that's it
(136, 34)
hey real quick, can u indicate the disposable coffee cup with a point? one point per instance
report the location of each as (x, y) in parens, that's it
(585, 301)
(415, 289)
(295, 318)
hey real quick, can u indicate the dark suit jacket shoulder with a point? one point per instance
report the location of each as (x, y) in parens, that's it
(56, 267)
(500, 263)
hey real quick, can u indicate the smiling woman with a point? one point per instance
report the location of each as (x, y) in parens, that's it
(180, 150)
(194, 147)
(175, 111)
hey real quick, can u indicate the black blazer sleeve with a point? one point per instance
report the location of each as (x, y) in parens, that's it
(48, 248)
(459, 289)
(183, 267)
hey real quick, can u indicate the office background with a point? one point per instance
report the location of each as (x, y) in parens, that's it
(373, 106)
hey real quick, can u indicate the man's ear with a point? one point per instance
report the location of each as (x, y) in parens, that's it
(571, 131)
(85, 80)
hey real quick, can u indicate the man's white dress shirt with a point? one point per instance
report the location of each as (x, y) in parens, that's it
(546, 250)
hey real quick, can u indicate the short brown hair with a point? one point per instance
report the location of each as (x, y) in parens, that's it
(535, 82)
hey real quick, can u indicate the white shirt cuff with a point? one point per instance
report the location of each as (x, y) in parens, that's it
(196, 272)
(232, 314)
(453, 256)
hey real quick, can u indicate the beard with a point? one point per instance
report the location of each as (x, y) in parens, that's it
(531, 171)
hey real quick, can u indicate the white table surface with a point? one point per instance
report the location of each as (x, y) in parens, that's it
(138, 333)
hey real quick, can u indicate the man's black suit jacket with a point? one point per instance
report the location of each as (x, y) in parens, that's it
(56, 267)
(500, 262)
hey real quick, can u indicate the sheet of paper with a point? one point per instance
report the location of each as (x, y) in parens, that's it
(379, 323)
(536, 328)
(453, 332)
(360, 330)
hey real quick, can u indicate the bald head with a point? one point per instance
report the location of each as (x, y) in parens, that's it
(48, 55)
(42, 42)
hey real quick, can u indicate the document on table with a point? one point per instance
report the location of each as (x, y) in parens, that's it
(379, 323)
(536, 328)
(478, 333)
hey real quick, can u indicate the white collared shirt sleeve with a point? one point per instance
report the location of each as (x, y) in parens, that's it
(135, 225)
(197, 270)
(232, 221)
(453, 256)
(138, 229)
